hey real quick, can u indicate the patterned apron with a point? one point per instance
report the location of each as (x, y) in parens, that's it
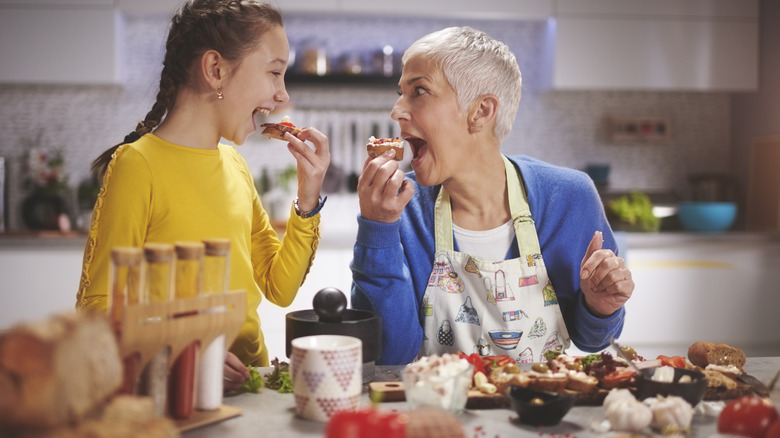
(503, 307)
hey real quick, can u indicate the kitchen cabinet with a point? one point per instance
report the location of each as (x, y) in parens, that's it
(703, 287)
(486, 9)
(73, 42)
(38, 279)
(637, 45)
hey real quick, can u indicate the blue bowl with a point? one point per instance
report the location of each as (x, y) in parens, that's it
(707, 216)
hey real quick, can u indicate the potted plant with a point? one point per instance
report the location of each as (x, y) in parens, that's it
(47, 181)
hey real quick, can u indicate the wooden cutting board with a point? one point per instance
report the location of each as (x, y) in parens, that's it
(394, 392)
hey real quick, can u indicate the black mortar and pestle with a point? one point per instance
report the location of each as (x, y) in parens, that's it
(330, 316)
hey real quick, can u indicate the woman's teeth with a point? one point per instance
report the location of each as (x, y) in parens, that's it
(263, 111)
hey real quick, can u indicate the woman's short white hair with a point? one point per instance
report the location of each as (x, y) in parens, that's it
(475, 64)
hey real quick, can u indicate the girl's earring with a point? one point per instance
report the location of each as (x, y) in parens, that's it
(219, 93)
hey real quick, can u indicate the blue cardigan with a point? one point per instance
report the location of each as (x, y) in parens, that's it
(392, 261)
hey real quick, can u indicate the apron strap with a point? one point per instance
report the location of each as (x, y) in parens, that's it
(527, 240)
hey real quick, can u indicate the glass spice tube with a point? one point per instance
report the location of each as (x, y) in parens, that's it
(158, 262)
(187, 281)
(215, 280)
(125, 286)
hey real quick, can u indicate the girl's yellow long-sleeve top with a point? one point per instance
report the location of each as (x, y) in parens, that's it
(157, 191)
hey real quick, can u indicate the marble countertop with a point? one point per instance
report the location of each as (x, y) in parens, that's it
(271, 414)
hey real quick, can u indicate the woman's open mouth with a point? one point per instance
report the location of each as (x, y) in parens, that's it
(416, 144)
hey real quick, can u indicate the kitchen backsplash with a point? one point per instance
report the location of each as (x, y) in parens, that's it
(566, 128)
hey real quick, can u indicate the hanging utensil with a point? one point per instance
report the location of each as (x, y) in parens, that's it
(352, 179)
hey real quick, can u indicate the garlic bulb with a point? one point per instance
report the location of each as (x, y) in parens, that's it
(628, 415)
(670, 414)
(617, 394)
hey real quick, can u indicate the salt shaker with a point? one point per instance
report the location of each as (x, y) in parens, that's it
(216, 265)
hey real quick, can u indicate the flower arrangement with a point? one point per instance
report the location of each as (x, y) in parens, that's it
(45, 169)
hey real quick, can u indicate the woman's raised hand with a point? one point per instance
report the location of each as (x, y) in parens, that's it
(382, 189)
(604, 279)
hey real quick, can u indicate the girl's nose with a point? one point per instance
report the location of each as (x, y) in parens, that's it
(281, 96)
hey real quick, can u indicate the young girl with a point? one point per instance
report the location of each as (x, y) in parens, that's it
(172, 180)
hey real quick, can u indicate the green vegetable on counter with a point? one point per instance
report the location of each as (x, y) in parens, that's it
(254, 382)
(634, 209)
(279, 379)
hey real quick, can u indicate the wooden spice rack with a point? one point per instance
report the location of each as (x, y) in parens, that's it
(147, 328)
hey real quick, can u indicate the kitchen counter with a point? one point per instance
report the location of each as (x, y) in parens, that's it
(271, 414)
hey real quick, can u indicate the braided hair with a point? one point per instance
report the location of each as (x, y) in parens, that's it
(231, 27)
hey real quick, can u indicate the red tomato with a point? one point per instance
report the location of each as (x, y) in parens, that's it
(672, 361)
(749, 416)
(774, 430)
(367, 423)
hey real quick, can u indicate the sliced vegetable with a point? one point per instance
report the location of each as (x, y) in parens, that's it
(618, 376)
(672, 361)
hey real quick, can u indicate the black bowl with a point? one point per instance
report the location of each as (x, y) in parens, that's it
(548, 413)
(692, 391)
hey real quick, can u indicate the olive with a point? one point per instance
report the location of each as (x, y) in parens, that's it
(629, 352)
(540, 367)
(536, 401)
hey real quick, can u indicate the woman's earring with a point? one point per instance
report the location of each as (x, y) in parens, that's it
(219, 93)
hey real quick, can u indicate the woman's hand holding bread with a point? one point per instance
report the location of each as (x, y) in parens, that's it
(382, 189)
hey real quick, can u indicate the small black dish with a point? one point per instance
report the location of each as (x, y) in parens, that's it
(692, 391)
(548, 413)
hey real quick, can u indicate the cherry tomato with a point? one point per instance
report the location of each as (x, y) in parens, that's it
(367, 423)
(774, 430)
(748, 416)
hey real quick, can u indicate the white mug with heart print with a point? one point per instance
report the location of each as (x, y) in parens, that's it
(326, 373)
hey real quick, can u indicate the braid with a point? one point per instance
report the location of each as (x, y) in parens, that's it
(231, 27)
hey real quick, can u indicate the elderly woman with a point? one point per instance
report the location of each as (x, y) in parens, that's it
(474, 251)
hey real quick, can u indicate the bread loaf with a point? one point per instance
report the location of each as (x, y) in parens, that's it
(705, 353)
(125, 416)
(55, 371)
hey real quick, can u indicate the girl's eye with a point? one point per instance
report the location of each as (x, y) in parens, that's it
(276, 73)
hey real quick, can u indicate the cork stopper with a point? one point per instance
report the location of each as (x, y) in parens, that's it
(158, 252)
(189, 250)
(217, 247)
(126, 256)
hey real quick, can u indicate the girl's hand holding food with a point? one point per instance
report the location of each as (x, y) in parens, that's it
(234, 372)
(312, 165)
